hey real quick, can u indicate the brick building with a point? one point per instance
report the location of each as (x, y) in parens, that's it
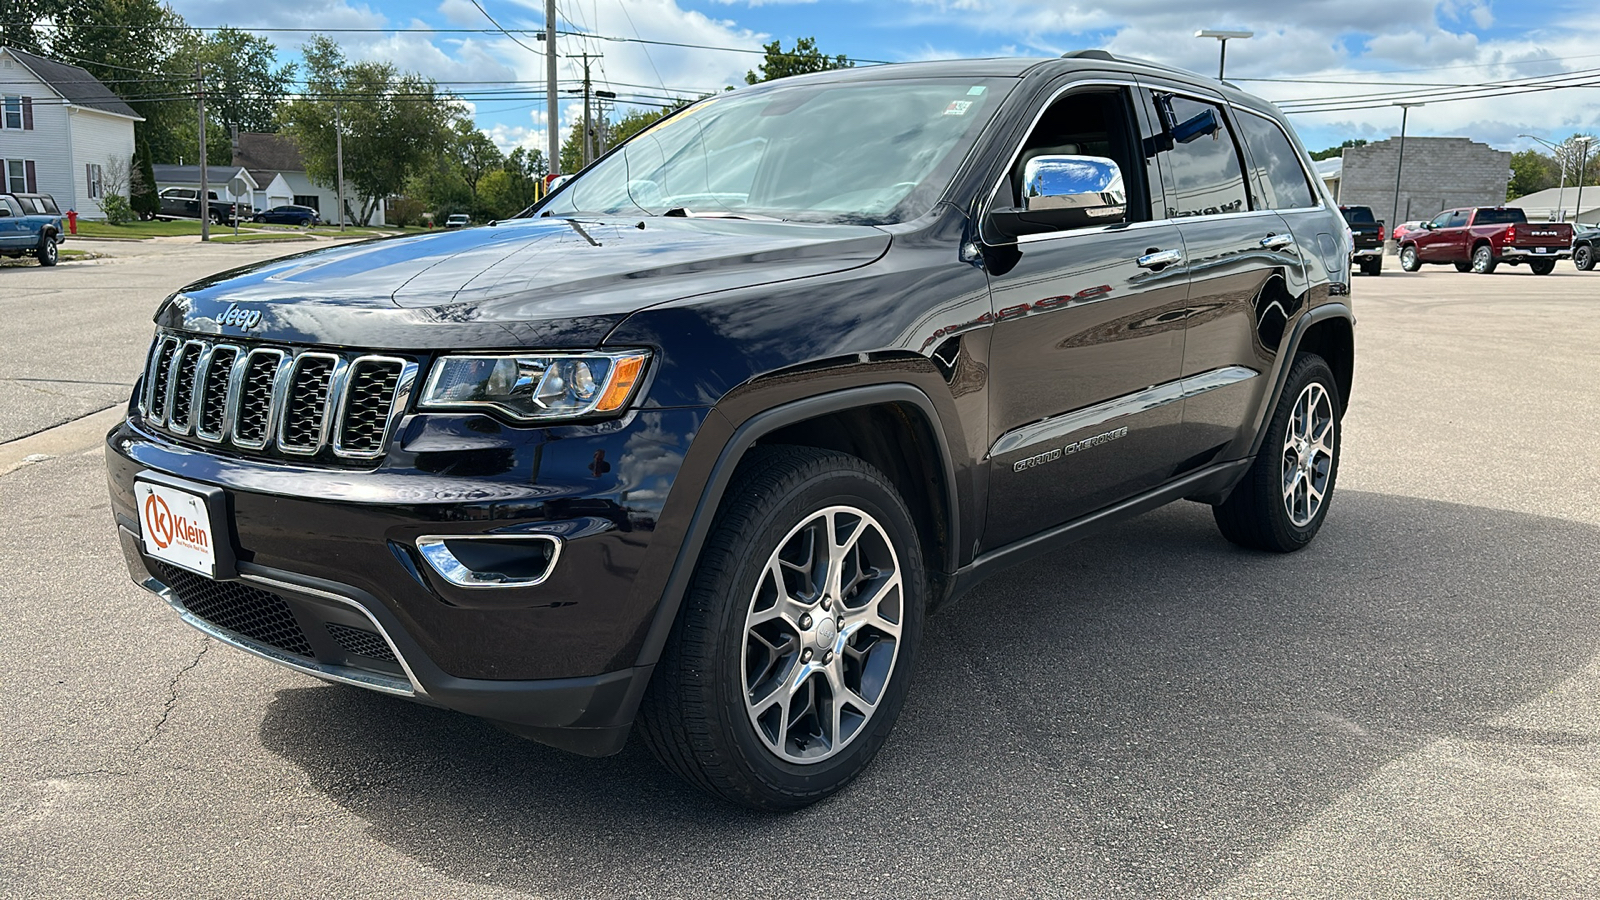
(1440, 173)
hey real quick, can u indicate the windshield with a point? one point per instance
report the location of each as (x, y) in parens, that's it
(865, 152)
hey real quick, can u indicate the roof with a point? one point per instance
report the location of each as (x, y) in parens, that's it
(216, 176)
(74, 84)
(1552, 198)
(1329, 168)
(264, 151)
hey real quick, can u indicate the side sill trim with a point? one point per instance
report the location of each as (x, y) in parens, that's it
(1149, 398)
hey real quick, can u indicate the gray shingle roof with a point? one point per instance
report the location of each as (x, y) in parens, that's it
(272, 152)
(73, 83)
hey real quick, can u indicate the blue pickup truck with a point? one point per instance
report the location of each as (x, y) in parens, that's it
(30, 224)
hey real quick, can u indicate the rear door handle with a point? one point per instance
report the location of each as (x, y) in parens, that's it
(1160, 259)
(1277, 241)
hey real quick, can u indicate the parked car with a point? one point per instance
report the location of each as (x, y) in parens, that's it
(27, 228)
(303, 216)
(184, 203)
(1405, 228)
(1367, 234)
(1585, 241)
(458, 220)
(703, 439)
(1480, 239)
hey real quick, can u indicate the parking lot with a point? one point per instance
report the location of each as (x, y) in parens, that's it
(1405, 709)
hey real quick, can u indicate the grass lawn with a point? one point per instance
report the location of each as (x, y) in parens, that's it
(140, 230)
(256, 237)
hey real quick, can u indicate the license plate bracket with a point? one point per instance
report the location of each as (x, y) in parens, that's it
(185, 524)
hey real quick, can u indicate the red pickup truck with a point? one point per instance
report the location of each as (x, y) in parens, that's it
(1479, 239)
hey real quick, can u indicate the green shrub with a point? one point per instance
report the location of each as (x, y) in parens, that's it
(403, 212)
(116, 208)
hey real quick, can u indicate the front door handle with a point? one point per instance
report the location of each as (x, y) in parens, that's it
(1277, 241)
(1160, 259)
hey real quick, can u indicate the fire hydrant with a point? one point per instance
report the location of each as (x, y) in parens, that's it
(72, 221)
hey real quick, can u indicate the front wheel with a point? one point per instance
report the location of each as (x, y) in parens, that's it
(792, 653)
(1409, 260)
(216, 218)
(1583, 257)
(48, 253)
(1282, 500)
(1483, 261)
(1463, 267)
(1542, 266)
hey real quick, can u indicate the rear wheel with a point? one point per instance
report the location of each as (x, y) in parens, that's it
(1483, 261)
(1409, 261)
(1542, 266)
(1583, 257)
(1372, 265)
(216, 218)
(48, 252)
(1281, 502)
(790, 659)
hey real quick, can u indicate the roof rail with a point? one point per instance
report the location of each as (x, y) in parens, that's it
(1089, 54)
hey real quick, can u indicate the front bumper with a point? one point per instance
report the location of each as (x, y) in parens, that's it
(1536, 253)
(329, 556)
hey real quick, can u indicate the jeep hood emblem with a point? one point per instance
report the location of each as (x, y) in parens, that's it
(246, 319)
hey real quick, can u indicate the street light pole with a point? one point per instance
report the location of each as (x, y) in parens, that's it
(1561, 159)
(1224, 37)
(1400, 163)
(1583, 163)
(552, 104)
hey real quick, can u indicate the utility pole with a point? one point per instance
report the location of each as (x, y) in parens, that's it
(588, 131)
(607, 99)
(552, 105)
(338, 154)
(1561, 153)
(1583, 163)
(205, 193)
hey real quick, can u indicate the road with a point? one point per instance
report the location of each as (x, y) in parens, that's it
(1405, 709)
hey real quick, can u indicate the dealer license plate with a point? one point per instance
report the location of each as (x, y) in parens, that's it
(177, 527)
(1541, 249)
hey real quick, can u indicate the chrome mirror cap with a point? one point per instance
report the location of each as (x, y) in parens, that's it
(1089, 185)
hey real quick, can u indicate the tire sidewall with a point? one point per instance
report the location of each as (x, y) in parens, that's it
(1482, 260)
(782, 778)
(48, 252)
(1308, 370)
(1583, 258)
(1409, 260)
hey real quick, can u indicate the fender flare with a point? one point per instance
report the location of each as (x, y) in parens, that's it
(743, 438)
(1280, 377)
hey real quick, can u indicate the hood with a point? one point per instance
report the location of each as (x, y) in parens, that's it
(526, 283)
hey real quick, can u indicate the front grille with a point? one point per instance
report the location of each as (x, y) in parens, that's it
(274, 401)
(256, 614)
(360, 642)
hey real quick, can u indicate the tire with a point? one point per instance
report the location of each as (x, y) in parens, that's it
(48, 253)
(1373, 266)
(1583, 257)
(305, 223)
(1483, 261)
(1409, 260)
(216, 218)
(698, 716)
(1463, 267)
(1260, 514)
(1542, 266)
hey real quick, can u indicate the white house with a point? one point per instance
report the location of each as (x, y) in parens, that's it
(227, 182)
(274, 161)
(62, 132)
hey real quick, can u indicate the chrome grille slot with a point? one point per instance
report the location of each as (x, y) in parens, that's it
(370, 391)
(252, 425)
(180, 416)
(216, 389)
(303, 428)
(156, 386)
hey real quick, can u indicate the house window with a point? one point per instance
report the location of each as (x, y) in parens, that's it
(17, 176)
(96, 190)
(13, 112)
(307, 200)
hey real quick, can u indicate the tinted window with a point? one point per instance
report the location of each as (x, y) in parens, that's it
(1458, 219)
(1203, 161)
(1278, 165)
(1355, 215)
(1499, 217)
(1097, 123)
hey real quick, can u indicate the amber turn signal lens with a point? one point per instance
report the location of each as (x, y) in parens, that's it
(621, 384)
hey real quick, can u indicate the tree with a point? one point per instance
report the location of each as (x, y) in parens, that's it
(394, 124)
(17, 23)
(244, 87)
(1532, 171)
(804, 58)
(1332, 152)
(142, 194)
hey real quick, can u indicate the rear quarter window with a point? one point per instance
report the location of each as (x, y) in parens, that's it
(1277, 166)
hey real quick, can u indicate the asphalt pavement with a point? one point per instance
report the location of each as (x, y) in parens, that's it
(1405, 709)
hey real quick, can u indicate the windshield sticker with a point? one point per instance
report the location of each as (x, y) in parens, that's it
(958, 107)
(975, 90)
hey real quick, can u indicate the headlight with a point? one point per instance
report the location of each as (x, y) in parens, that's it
(532, 387)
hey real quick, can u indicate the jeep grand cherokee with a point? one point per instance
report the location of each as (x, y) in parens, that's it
(698, 442)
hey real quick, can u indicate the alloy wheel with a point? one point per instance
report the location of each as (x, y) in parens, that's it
(1308, 454)
(822, 635)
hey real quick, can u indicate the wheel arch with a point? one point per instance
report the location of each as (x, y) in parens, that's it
(1329, 331)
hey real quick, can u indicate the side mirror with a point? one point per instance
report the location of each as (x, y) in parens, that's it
(1065, 192)
(1427, 226)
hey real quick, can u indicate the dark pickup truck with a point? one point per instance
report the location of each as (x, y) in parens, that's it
(1585, 241)
(30, 225)
(1479, 239)
(701, 439)
(184, 203)
(1366, 233)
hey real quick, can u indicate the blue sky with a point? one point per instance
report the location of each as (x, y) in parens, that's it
(1376, 48)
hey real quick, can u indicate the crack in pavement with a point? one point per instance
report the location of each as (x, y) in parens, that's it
(172, 695)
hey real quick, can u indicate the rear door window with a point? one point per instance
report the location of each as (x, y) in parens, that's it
(1207, 177)
(1277, 166)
